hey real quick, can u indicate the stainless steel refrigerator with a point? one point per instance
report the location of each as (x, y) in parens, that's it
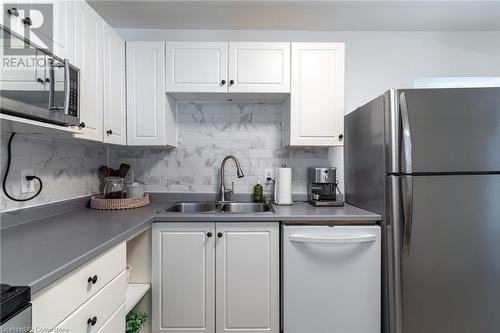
(428, 161)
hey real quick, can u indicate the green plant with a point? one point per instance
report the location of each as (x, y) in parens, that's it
(135, 319)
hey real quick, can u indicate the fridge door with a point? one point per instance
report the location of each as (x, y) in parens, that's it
(443, 130)
(447, 279)
(331, 279)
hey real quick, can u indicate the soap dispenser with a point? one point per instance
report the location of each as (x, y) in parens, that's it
(258, 192)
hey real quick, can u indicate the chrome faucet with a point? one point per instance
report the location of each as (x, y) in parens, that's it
(222, 190)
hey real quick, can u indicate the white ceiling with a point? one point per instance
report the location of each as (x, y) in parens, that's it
(301, 15)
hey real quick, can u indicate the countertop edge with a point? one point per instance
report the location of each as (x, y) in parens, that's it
(146, 220)
(67, 268)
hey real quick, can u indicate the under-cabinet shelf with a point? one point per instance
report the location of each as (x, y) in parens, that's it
(135, 292)
(13, 124)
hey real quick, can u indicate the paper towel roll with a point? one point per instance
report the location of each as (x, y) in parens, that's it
(283, 186)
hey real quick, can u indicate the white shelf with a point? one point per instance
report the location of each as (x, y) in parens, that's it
(135, 292)
(10, 124)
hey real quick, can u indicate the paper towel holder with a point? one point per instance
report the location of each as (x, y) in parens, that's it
(283, 186)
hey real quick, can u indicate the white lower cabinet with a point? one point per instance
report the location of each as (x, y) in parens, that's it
(183, 280)
(116, 323)
(247, 283)
(95, 289)
(215, 277)
(94, 313)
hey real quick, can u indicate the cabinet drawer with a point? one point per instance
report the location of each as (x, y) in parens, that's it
(55, 302)
(100, 308)
(115, 324)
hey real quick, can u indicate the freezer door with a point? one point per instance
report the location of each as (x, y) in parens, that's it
(443, 130)
(448, 278)
(331, 279)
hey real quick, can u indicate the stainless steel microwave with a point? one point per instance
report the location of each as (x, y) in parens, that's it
(36, 84)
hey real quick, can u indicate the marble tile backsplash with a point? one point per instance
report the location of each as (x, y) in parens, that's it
(207, 133)
(67, 169)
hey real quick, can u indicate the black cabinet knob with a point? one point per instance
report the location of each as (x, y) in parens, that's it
(341, 136)
(47, 80)
(82, 125)
(231, 82)
(209, 234)
(92, 279)
(223, 82)
(219, 234)
(13, 12)
(109, 132)
(92, 321)
(27, 21)
(39, 80)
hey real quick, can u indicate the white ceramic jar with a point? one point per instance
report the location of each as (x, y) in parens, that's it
(135, 190)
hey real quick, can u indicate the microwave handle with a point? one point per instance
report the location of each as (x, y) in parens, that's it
(52, 84)
(65, 107)
(66, 86)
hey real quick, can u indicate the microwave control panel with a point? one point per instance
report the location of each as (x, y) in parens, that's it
(73, 94)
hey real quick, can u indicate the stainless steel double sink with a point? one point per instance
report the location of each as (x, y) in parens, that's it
(219, 207)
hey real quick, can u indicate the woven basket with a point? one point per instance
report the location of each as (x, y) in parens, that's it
(99, 202)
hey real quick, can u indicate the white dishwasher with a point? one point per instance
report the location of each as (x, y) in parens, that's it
(331, 279)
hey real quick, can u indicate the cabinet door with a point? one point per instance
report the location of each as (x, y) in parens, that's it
(10, 9)
(88, 58)
(151, 115)
(53, 24)
(196, 67)
(259, 67)
(183, 281)
(115, 130)
(317, 94)
(23, 67)
(247, 273)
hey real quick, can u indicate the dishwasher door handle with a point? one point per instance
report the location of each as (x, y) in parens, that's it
(332, 239)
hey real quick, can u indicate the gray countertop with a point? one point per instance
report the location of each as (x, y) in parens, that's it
(43, 250)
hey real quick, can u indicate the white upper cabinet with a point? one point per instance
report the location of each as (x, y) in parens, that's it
(151, 115)
(199, 67)
(13, 14)
(259, 67)
(51, 27)
(317, 94)
(196, 67)
(115, 124)
(89, 59)
(247, 271)
(53, 21)
(47, 23)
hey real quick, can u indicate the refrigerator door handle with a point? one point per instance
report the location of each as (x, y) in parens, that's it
(406, 135)
(407, 201)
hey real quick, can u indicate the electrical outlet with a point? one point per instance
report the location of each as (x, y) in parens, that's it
(268, 173)
(27, 186)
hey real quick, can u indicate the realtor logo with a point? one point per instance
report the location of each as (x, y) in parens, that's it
(33, 21)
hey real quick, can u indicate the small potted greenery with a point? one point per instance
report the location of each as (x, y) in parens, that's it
(135, 319)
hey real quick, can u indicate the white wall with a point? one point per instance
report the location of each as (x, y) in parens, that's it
(68, 169)
(375, 60)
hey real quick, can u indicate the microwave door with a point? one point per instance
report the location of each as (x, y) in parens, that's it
(58, 89)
